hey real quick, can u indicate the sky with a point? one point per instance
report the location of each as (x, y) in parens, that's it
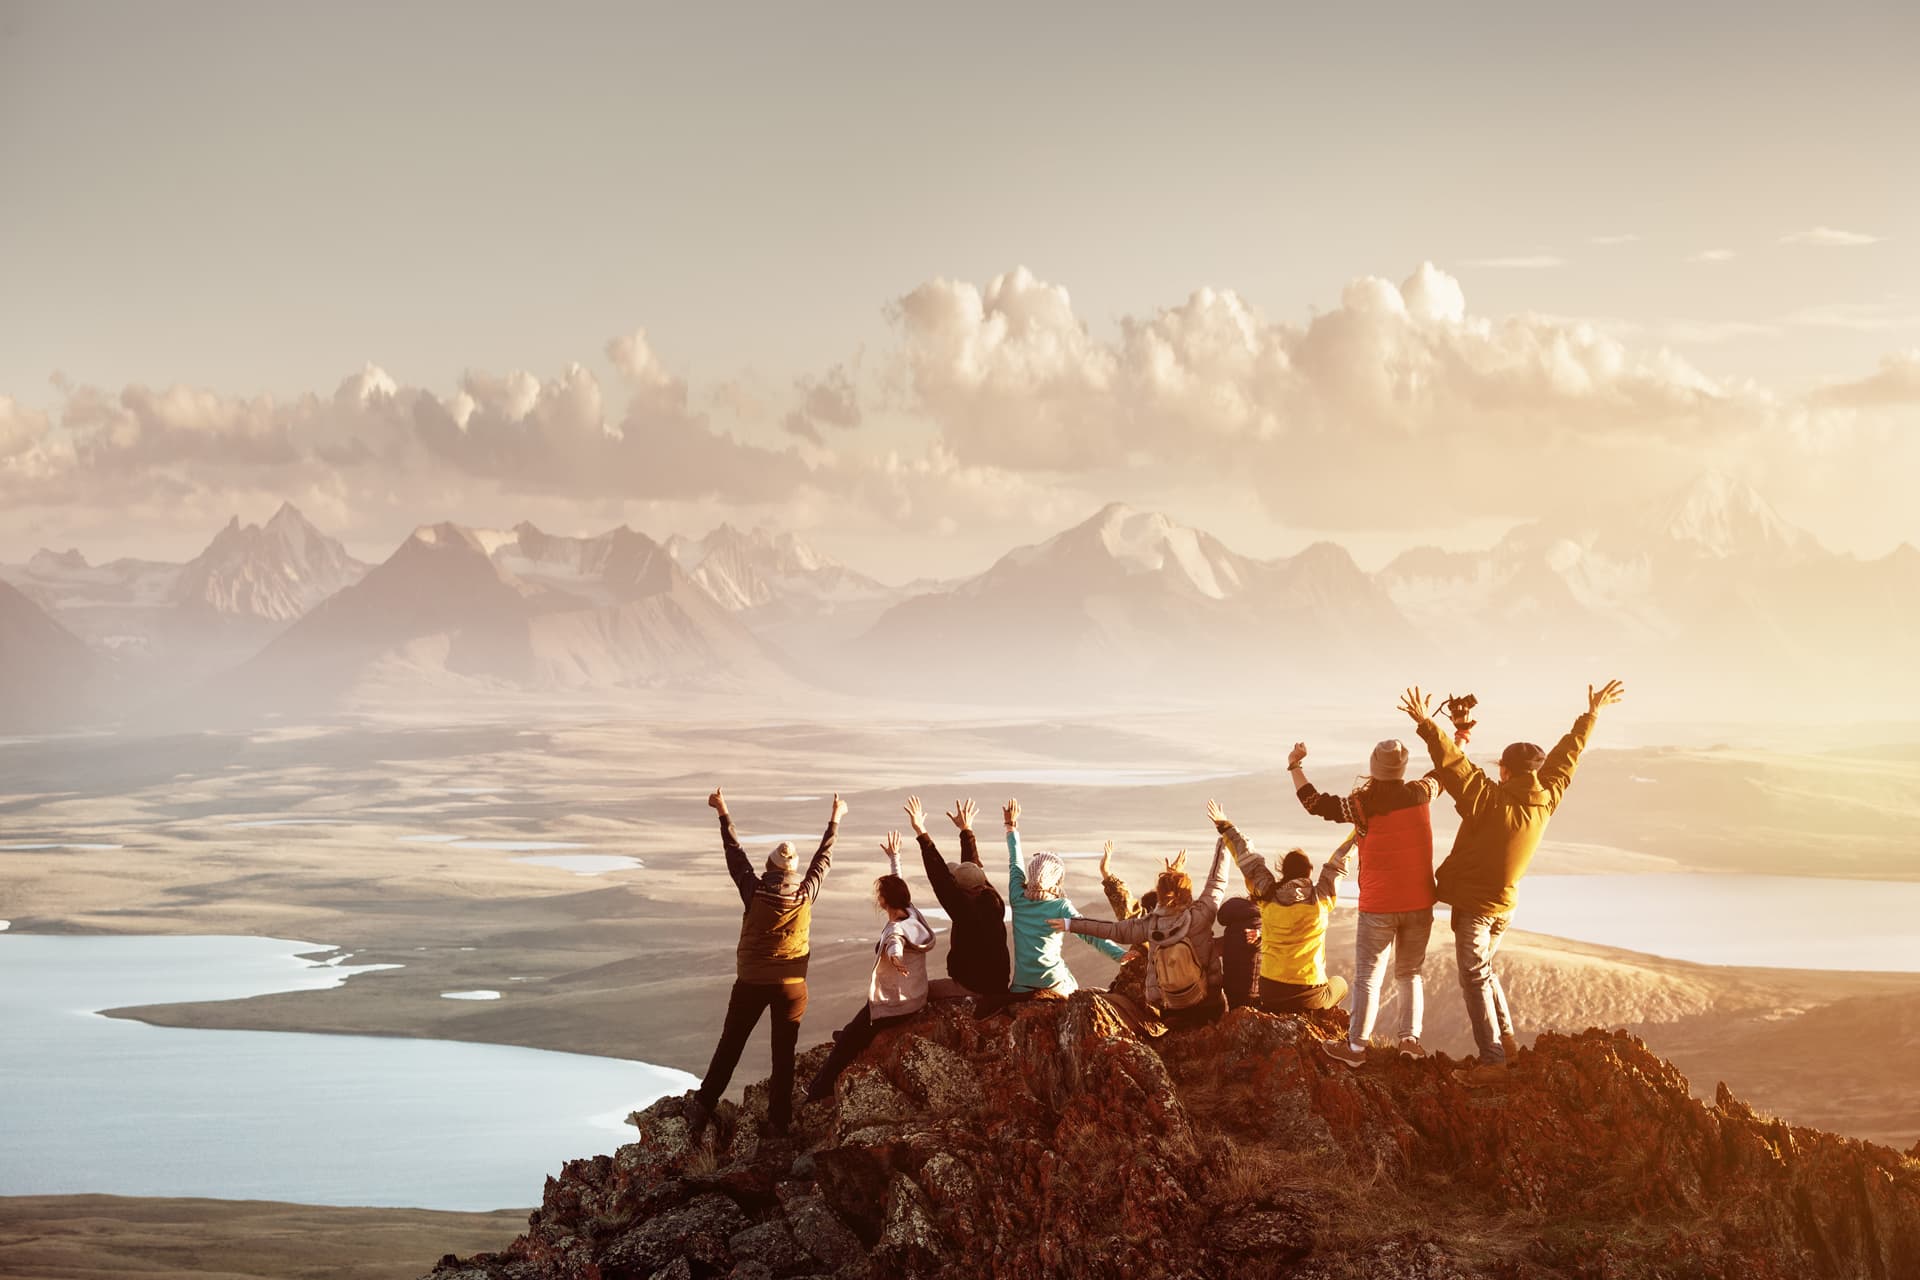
(922, 285)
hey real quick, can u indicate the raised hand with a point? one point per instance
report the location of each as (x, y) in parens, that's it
(917, 815)
(1295, 756)
(1106, 860)
(716, 801)
(1215, 814)
(839, 807)
(1417, 704)
(891, 845)
(1605, 696)
(1178, 862)
(1010, 814)
(962, 814)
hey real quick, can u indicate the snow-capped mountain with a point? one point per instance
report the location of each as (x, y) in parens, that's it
(276, 572)
(1130, 596)
(46, 673)
(525, 609)
(771, 573)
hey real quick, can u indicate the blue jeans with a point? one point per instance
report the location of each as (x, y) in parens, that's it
(1475, 939)
(1404, 934)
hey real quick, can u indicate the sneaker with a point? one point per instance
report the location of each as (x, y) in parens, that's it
(1345, 1052)
(1510, 1045)
(1410, 1047)
(1481, 1073)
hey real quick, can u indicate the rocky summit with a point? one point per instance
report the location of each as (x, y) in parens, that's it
(1054, 1140)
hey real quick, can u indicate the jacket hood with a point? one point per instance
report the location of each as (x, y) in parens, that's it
(1171, 926)
(1526, 788)
(915, 933)
(1298, 889)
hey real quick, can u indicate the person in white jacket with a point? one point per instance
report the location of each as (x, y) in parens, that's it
(1181, 980)
(898, 988)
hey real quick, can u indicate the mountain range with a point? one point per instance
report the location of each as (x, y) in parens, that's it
(1709, 596)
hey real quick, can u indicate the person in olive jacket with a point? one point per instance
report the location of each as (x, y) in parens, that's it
(1501, 824)
(770, 966)
(977, 957)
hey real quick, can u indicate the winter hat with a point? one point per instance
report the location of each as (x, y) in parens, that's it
(1523, 757)
(969, 875)
(1389, 762)
(783, 859)
(1045, 872)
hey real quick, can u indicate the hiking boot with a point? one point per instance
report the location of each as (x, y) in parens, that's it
(1410, 1047)
(697, 1116)
(1345, 1052)
(1510, 1045)
(1481, 1073)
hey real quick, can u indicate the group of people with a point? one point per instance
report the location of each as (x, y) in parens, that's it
(1271, 953)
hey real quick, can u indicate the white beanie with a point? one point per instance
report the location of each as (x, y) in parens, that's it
(1389, 762)
(783, 859)
(1045, 872)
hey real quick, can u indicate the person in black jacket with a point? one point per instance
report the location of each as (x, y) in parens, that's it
(977, 957)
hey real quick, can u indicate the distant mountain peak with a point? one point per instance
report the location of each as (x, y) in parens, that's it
(276, 571)
(1723, 516)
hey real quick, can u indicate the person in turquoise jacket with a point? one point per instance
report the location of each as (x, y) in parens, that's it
(1036, 892)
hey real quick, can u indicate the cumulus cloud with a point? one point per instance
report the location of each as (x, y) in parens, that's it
(830, 401)
(1397, 386)
(1896, 382)
(1830, 237)
(1712, 256)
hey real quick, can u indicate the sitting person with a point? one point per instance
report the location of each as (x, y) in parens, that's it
(1293, 922)
(977, 961)
(1393, 819)
(1239, 922)
(897, 989)
(1119, 897)
(1178, 933)
(1036, 889)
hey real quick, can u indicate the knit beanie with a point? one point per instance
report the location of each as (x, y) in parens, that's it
(969, 875)
(1389, 761)
(1045, 873)
(783, 859)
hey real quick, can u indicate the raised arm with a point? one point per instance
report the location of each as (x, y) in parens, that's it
(1459, 777)
(739, 868)
(1331, 808)
(1260, 877)
(823, 856)
(961, 816)
(1557, 773)
(1216, 888)
(939, 875)
(1016, 871)
(1119, 897)
(1327, 885)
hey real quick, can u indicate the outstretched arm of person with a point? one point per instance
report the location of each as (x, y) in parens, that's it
(1215, 891)
(1557, 773)
(1260, 877)
(939, 875)
(823, 856)
(739, 867)
(961, 816)
(1016, 872)
(1128, 931)
(1320, 805)
(1336, 867)
(1459, 777)
(1105, 946)
(1119, 897)
(891, 847)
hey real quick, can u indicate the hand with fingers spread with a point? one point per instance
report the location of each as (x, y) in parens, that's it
(1106, 861)
(962, 814)
(1178, 862)
(839, 808)
(891, 845)
(1605, 696)
(917, 815)
(1295, 756)
(1010, 814)
(1216, 815)
(1417, 704)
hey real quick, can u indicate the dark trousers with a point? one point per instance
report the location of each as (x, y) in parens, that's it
(1198, 1015)
(1289, 997)
(1240, 951)
(848, 1045)
(788, 1003)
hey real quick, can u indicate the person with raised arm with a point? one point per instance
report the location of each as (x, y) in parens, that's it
(770, 963)
(1036, 891)
(1178, 934)
(1294, 908)
(977, 960)
(1501, 824)
(1393, 819)
(897, 988)
(1119, 896)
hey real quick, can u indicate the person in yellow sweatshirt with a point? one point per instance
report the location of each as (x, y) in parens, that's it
(1294, 908)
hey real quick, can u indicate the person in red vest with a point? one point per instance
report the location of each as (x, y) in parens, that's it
(1394, 821)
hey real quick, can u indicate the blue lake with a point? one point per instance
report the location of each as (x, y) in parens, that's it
(95, 1104)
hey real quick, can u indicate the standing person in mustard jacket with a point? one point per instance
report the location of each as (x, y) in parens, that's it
(770, 965)
(1501, 824)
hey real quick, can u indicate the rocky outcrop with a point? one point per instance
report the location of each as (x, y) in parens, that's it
(1051, 1141)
